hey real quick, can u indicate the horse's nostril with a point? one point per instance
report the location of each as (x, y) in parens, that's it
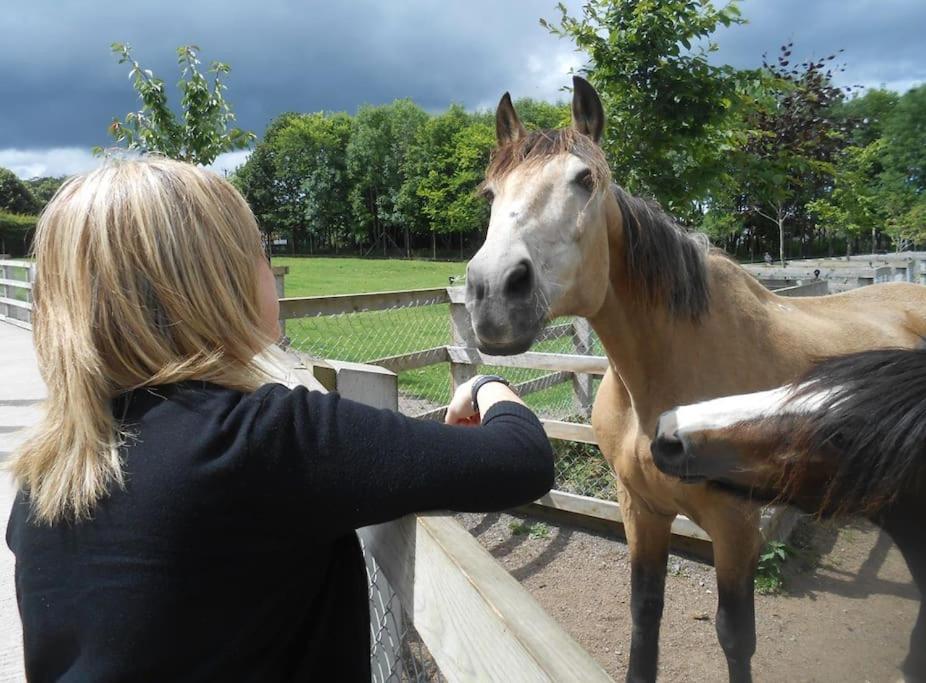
(520, 280)
(667, 448)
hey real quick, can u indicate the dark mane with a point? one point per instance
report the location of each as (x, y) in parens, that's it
(666, 263)
(874, 424)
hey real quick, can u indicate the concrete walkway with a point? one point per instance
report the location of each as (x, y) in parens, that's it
(21, 390)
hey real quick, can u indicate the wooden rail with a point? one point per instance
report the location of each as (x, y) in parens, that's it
(463, 358)
(302, 307)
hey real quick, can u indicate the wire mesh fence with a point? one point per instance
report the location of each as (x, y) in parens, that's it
(372, 336)
(397, 654)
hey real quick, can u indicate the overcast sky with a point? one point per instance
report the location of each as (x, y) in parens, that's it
(60, 85)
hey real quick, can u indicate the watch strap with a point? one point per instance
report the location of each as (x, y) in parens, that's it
(481, 381)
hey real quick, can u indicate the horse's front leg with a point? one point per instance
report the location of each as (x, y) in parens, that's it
(735, 537)
(906, 530)
(648, 536)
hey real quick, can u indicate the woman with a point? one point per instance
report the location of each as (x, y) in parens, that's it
(179, 518)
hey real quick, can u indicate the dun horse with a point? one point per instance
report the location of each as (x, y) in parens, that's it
(848, 438)
(679, 324)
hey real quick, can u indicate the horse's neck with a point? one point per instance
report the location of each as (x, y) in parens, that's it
(664, 359)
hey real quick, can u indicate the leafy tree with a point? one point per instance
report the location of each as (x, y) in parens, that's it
(43, 189)
(668, 107)
(255, 180)
(791, 141)
(314, 148)
(864, 117)
(853, 205)
(904, 177)
(536, 114)
(201, 133)
(380, 140)
(15, 197)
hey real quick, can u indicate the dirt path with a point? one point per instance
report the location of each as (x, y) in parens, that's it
(845, 614)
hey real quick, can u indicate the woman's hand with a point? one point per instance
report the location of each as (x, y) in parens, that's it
(460, 411)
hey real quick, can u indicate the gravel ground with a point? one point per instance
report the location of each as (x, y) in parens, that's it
(845, 614)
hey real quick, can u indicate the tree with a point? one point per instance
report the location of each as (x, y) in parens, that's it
(790, 142)
(255, 181)
(668, 107)
(15, 197)
(864, 117)
(904, 158)
(380, 140)
(43, 189)
(201, 134)
(853, 205)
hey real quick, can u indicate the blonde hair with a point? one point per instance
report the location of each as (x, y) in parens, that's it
(146, 274)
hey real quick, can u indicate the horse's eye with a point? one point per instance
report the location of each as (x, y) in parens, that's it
(487, 194)
(585, 179)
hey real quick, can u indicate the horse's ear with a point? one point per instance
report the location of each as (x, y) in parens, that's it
(587, 112)
(508, 126)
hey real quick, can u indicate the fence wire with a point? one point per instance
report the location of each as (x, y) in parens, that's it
(397, 654)
(371, 336)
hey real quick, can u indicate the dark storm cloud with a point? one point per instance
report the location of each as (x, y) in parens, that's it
(883, 40)
(60, 86)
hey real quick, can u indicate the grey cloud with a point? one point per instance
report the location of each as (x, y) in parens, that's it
(60, 86)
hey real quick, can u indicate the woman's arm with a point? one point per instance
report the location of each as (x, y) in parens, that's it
(343, 465)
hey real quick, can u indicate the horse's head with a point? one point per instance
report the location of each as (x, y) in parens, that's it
(746, 444)
(546, 251)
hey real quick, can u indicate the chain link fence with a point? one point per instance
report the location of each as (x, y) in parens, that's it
(372, 336)
(396, 652)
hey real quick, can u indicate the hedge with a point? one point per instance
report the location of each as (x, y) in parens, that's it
(16, 233)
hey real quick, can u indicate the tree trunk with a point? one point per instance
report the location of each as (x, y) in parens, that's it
(433, 246)
(874, 240)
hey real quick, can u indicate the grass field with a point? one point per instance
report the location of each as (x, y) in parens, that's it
(320, 276)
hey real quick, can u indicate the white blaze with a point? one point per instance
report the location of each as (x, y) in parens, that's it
(721, 413)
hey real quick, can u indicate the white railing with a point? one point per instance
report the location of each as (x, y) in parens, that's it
(16, 280)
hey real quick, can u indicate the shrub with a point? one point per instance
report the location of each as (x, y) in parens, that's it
(16, 232)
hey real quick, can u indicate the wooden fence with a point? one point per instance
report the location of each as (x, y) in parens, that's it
(474, 618)
(579, 369)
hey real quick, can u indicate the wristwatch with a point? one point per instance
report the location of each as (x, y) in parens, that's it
(483, 380)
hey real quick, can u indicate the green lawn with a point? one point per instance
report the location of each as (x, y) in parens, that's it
(319, 276)
(364, 337)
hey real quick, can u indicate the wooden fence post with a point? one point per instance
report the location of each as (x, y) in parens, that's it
(279, 276)
(582, 383)
(377, 387)
(461, 328)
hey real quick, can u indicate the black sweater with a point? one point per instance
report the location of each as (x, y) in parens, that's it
(230, 554)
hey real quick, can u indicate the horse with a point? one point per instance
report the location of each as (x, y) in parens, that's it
(848, 438)
(679, 322)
